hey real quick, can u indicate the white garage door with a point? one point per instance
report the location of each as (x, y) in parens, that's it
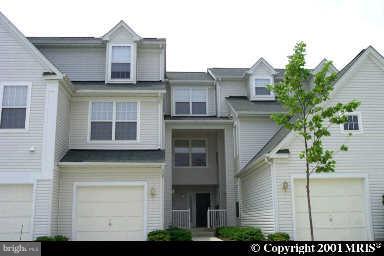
(338, 209)
(15, 212)
(109, 213)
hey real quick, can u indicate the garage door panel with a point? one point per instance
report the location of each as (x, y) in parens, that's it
(95, 209)
(110, 213)
(16, 193)
(15, 224)
(106, 194)
(338, 209)
(15, 209)
(15, 236)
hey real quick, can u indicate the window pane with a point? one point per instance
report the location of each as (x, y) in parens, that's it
(101, 131)
(102, 111)
(182, 146)
(15, 96)
(198, 144)
(262, 91)
(126, 111)
(199, 159)
(181, 159)
(121, 70)
(199, 95)
(181, 94)
(262, 82)
(352, 124)
(125, 131)
(182, 108)
(13, 118)
(121, 54)
(199, 108)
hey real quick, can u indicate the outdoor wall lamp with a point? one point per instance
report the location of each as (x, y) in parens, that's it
(285, 186)
(153, 191)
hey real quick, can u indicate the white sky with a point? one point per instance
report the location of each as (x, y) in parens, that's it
(210, 33)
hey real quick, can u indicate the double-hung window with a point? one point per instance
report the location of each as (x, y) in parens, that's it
(353, 123)
(190, 101)
(13, 106)
(190, 153)
(114, 121)
(260, 87)
(121, 62)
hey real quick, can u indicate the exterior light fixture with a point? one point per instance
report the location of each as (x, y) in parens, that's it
(153, 191)
(285, 186)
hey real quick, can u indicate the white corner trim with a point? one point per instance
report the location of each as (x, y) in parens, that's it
(334, 175)
(49, 130)
(76, 185)
(28, 104)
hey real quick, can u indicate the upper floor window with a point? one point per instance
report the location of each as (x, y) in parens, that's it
(190, 153)
(353, 123)
(260, 87)
(116, 121)
(190, 101)
(121, 62)
(13, 106)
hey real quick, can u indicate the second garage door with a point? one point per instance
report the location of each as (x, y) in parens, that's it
(338, 208)
(109, 213)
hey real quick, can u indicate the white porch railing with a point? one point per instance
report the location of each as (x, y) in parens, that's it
(216, 218)
(181, 218)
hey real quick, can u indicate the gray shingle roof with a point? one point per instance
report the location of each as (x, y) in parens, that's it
(78, 40)
(242, 104)
(240, 72)
(101, 85)
(189, 76)
(119, 156)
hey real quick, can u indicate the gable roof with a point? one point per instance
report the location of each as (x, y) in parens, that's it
(260, 62)
(282, 133)
(320, 66)
(40, 57)
(124, 25)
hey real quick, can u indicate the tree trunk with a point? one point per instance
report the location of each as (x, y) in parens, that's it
(308, 191)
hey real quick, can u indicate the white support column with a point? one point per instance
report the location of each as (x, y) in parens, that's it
(168, 178)
(229, 176)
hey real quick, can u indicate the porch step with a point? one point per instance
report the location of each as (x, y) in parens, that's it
(202, 232)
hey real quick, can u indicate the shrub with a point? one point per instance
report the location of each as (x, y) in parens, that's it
(179, 234)
(51, 238)
(278, 236)
(240, 233)
(159, 235)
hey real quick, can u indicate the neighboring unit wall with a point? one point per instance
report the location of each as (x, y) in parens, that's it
(198, 175)
(256, 205)
(70, 175)
(365, 149)
(149, 122)
(150, 64)
(226, 89)
(79, 63)
(254, 133)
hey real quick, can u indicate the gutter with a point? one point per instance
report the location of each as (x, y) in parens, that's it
(266, 158)
(229, 121)
(111, 164)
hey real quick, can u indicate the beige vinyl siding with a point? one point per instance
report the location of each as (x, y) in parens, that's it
(148, 64)
(17, 63)
(365, 149)
(254, 133)
(256, 207)
(226, 89)
(42, 214)
(149, 120)
(68, 176)
(79, 63)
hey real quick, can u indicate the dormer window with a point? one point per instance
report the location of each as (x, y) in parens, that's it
(261, 88)
(121, 63)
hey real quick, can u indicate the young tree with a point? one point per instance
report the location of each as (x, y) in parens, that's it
(309, 115)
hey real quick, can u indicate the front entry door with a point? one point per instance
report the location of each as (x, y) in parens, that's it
(203, 202)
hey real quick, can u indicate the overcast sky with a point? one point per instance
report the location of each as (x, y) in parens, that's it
(208, 33)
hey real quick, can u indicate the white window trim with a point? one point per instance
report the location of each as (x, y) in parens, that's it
(190, 101)
(113, 140)
(253, 86)
(76, 185)
(360, 120)
(28, 105)
(190, 153)
(133, 64)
